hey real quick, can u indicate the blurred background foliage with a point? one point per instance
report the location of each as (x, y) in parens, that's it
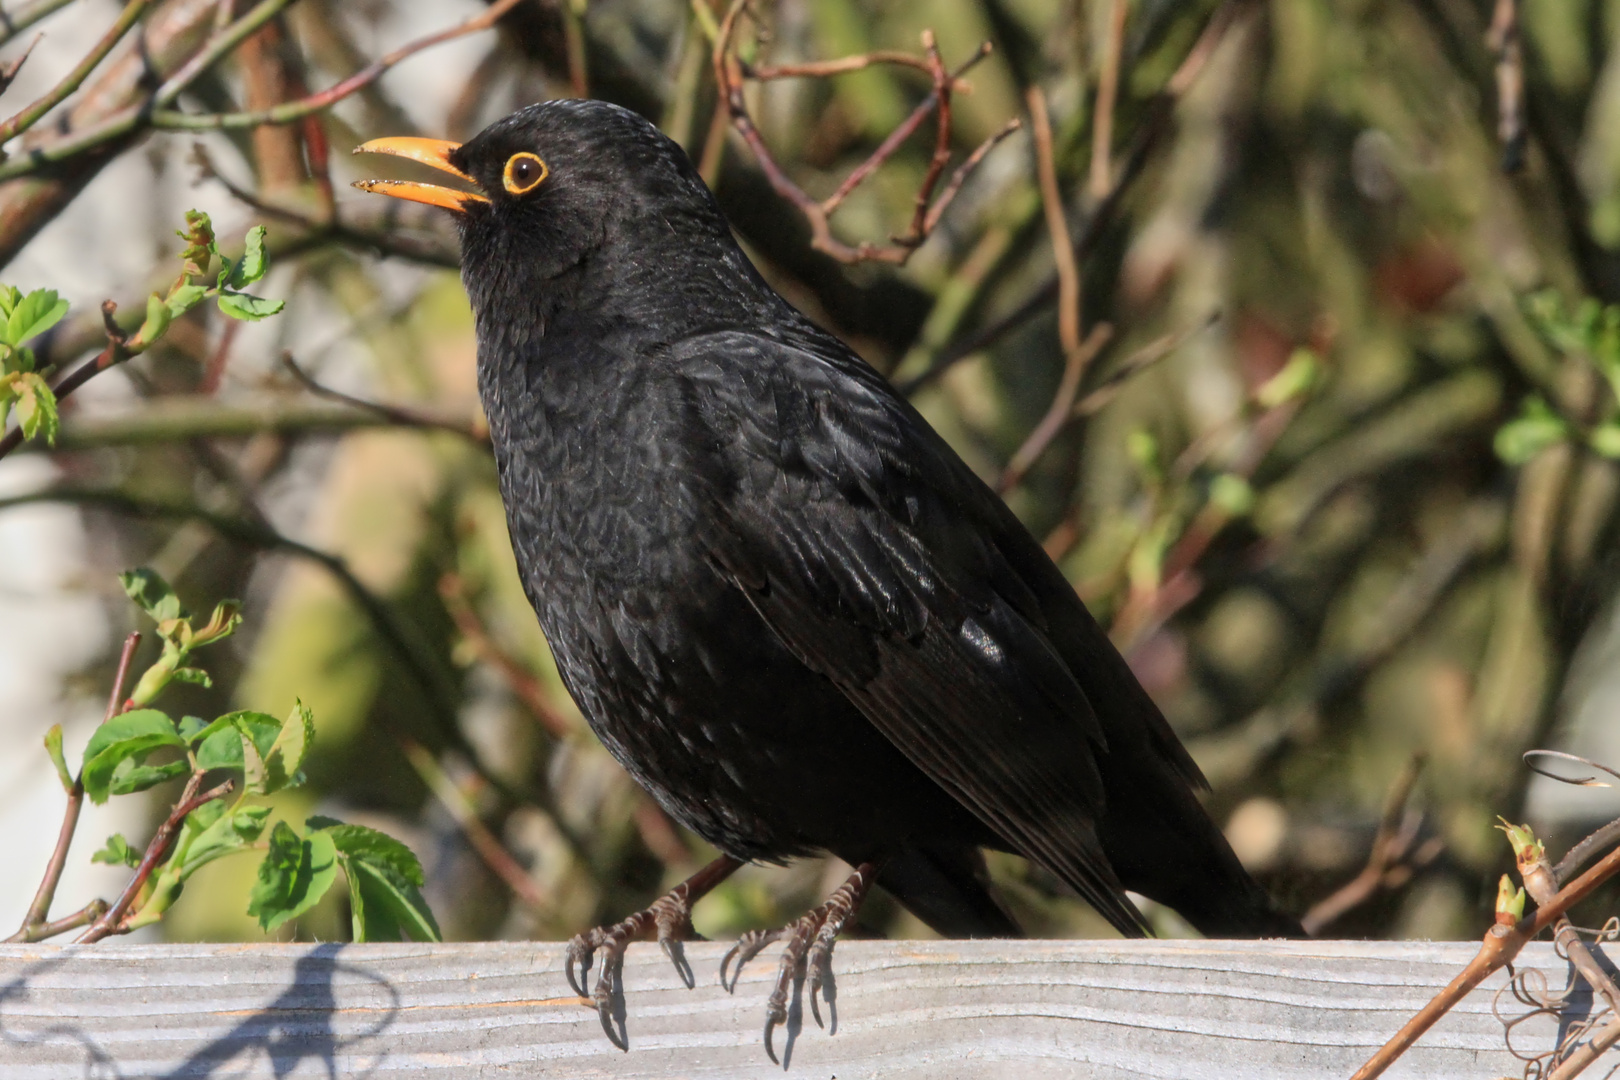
(1303, 485)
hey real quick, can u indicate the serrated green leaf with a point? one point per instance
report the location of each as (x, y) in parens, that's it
(147, 588)
(36, 408)
(53, 747)
(200, 246)
(254, 260)
(131, 735)
(130, 777)
(360, 842)
(226, 834)
(248, 308)
(293, 877)
(219, 745)
(156, 322)
(184, 298)
(33, 315)
(383, 906)
(286, 755)
(117, 852)
(10, 296)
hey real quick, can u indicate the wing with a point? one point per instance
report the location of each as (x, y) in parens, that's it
(881, 562)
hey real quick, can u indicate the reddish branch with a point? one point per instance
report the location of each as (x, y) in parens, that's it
(112, 920)
(730, 73)
(34, 926)
(1502, 943)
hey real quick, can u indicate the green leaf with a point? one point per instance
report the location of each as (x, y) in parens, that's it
(226, 834)
(148, 589)
(286, 754)
(157, 320)
(383, 906)
(53, 747)
(220, 743)
(185, 297)
(1537, 428)
(1232, 493)
(129, 777)
(34, 314)
(1605, 440)
(190, 727)
(370, 845)
(193, 675)
(131, 735)
(36, 408)
(293, 877)
(10, 297)
(248, 308)
(222, 624)
(254, 260)
(200, 247)
(117, 852)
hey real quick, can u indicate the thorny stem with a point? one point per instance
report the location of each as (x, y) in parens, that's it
(730, 72)
(1501, 945)
(111, 920)
(34, 926)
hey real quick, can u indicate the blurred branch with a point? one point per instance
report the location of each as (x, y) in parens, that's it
(477, 431)
(15, 21)
(70, 82)
(730, 72)
(519, 679)
(289, 111)
(1102, 122)
(1503, 39)
(489, 849)
(1391, 862)
(1155, 124)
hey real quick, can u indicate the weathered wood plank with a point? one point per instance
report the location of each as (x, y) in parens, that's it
(1205, 1010)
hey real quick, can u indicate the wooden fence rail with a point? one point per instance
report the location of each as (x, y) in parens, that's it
(946, 1009)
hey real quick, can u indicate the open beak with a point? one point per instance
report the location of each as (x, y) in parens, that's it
(434, 152)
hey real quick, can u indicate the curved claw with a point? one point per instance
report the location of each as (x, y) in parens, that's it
(747, 947)
(771, 1020)
(579, 954)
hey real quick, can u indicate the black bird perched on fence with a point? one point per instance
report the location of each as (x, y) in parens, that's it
(779, 598)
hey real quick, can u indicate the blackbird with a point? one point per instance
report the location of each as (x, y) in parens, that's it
(779, 598)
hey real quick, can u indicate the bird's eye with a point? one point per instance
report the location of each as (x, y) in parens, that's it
(523, 173)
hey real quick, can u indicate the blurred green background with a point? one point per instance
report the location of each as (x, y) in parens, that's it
(1317, 262)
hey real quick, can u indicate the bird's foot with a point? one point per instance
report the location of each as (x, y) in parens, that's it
(809, 949)
(668, 920)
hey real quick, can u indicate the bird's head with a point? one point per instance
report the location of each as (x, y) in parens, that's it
(565, 184)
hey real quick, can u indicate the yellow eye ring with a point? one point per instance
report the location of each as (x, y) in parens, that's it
(524, 172)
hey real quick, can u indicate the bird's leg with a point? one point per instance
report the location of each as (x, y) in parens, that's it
(669, 919)
(810, 946)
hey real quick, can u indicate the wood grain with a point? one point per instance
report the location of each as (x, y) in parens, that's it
(945, 1009)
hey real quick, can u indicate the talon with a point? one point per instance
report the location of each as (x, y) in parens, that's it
(773, 1016)
(747, 947)
(580, 951)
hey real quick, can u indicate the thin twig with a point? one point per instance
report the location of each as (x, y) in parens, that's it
(1140, 360)
(730, 73)
(1077, 353)
(484, 843)
(1391, 862)
(112, 919)
(1504, 40)
(45, 931)
(13, 23)
(1102, 116)
(34, 924)
(1148, 135)
(395, 414)
(290, 111)
(70, 82)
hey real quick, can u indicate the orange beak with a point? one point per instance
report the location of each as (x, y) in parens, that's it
(434, 152)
